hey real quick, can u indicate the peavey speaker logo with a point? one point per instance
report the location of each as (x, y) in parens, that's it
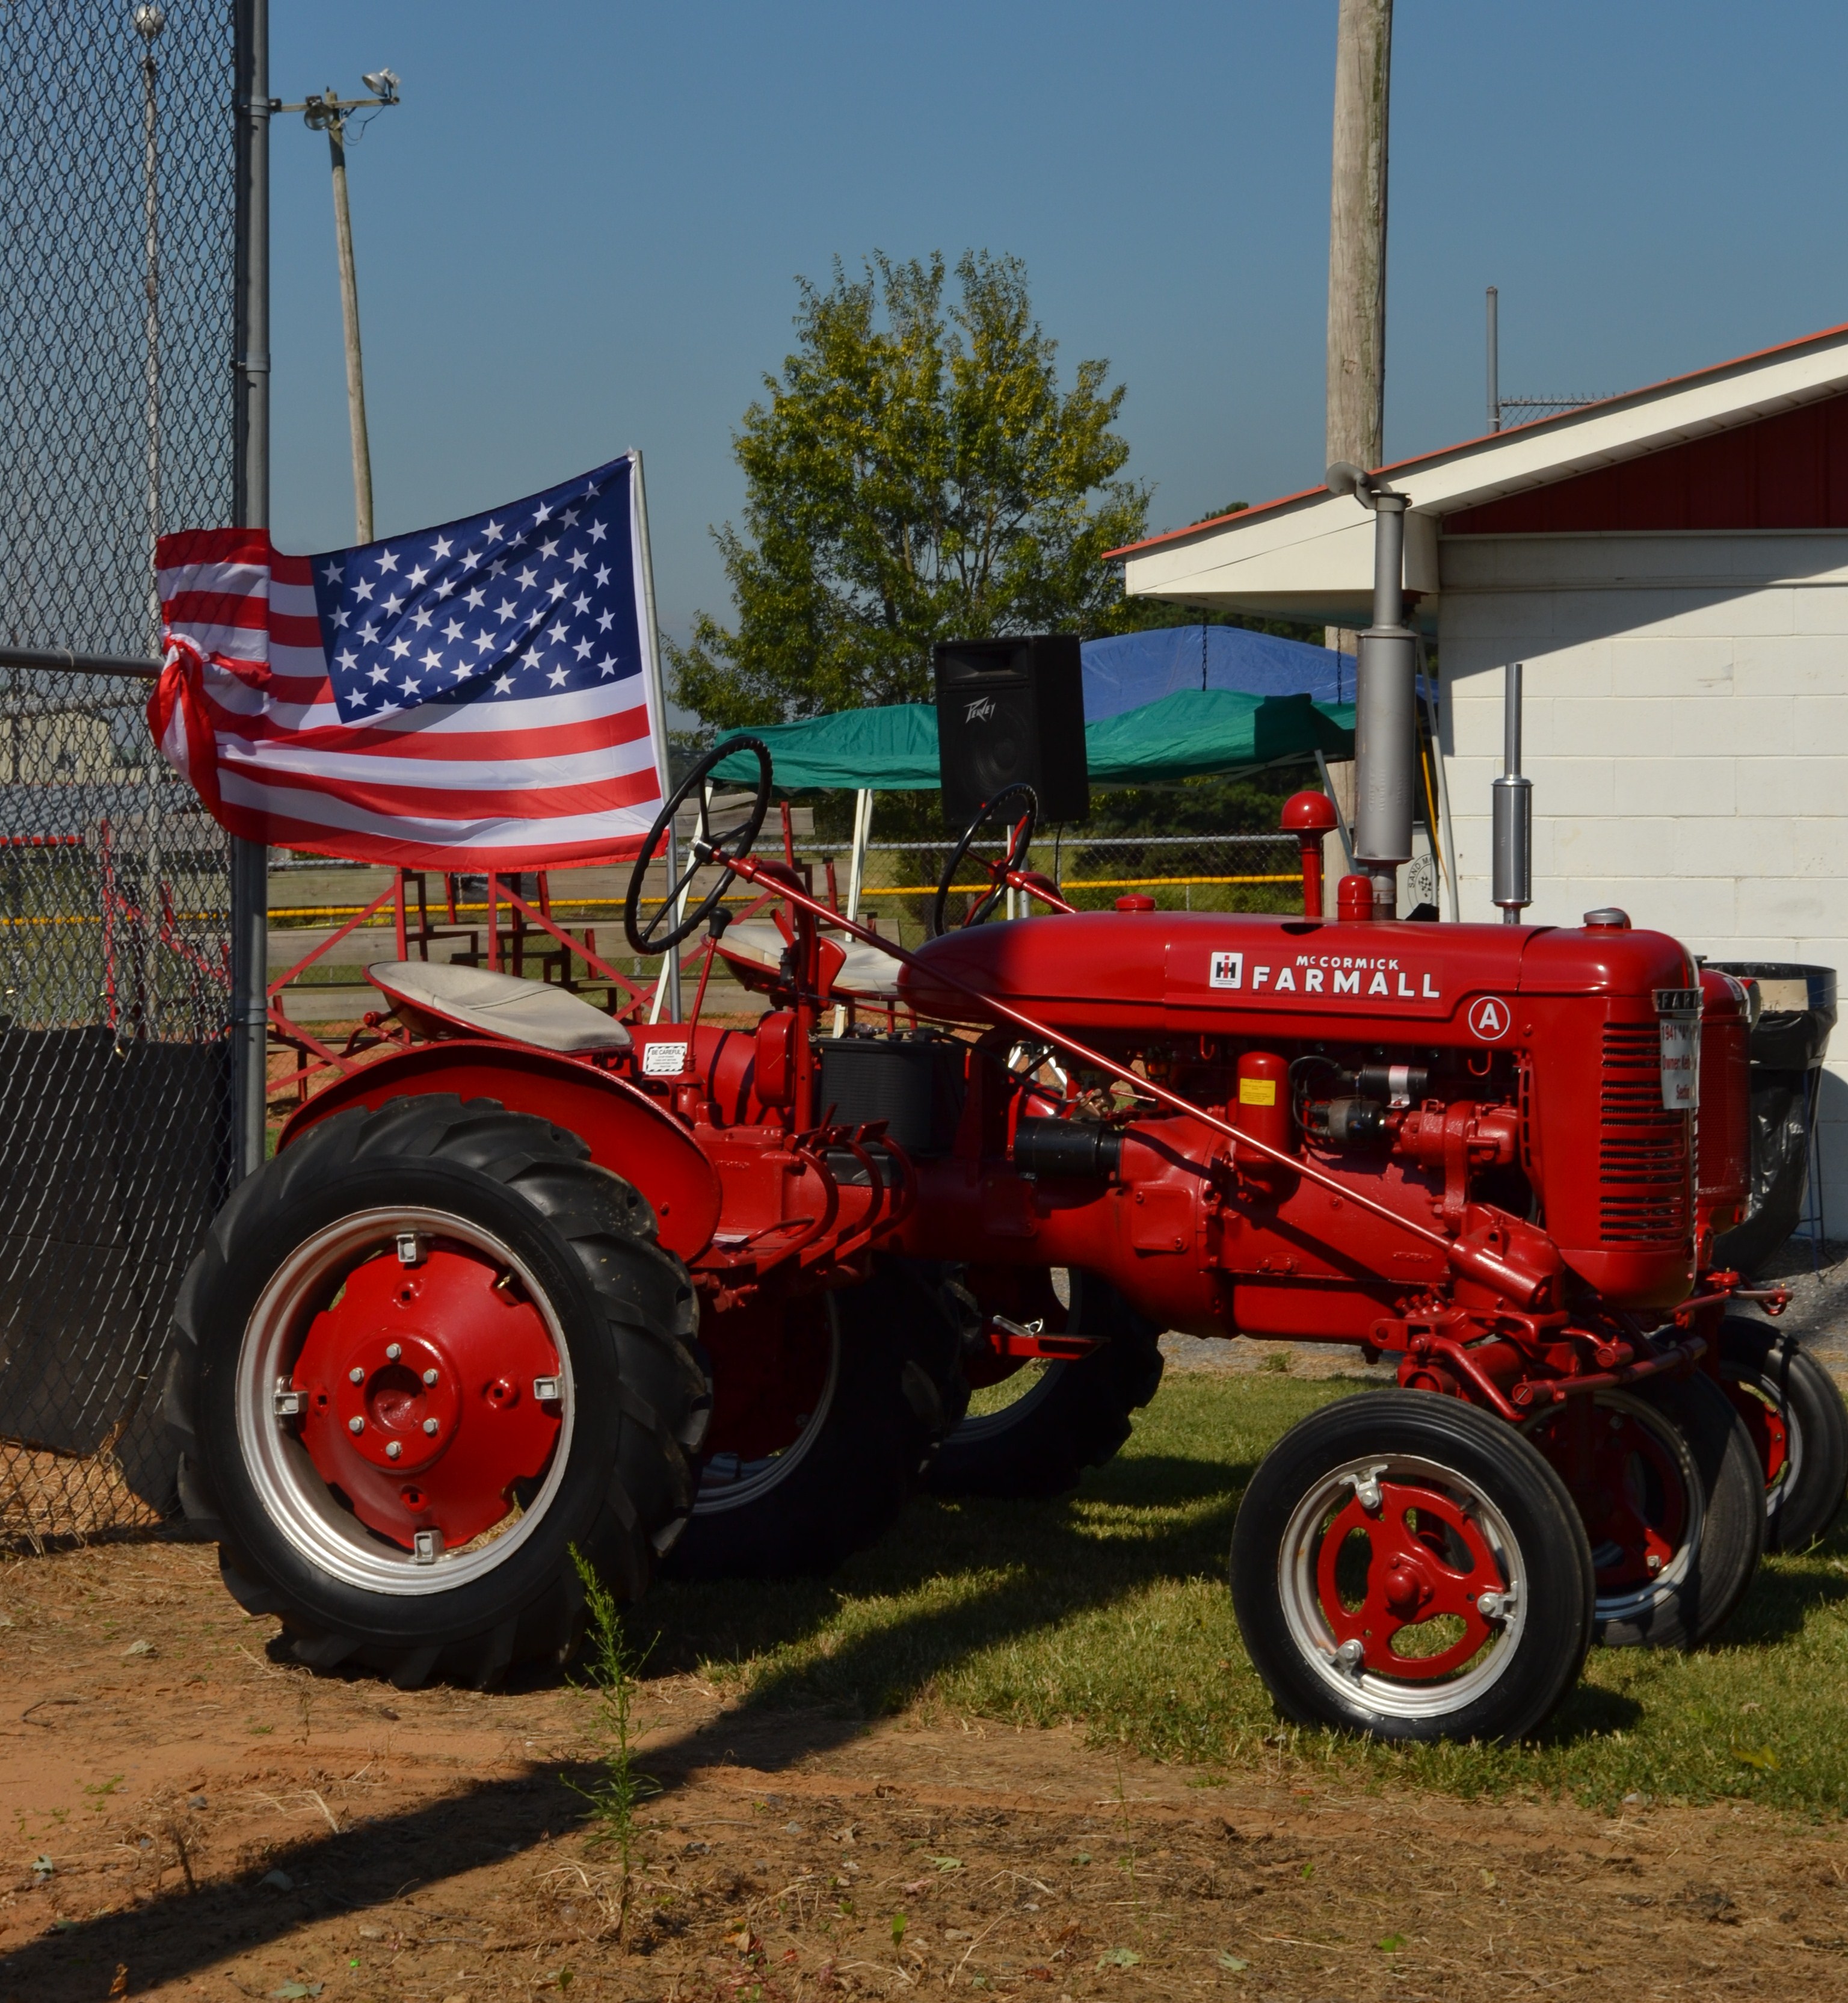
(979, 711)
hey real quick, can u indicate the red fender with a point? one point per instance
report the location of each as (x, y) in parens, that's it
(626, 1131)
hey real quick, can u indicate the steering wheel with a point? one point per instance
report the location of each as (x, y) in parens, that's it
(1019, 798)
(662, 933)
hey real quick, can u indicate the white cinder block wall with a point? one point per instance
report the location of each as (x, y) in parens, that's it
(1686, 731)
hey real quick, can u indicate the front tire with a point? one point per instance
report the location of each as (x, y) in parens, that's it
(425, 1352)
(1405, 1565)
(1674, 1506)
(1799, 1429)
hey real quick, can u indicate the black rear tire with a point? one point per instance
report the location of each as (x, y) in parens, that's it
(1075, 1415)
(839, 1484)
(1333, 1549)
(1693, 1481)
(618, 1481)
(1793, 1410)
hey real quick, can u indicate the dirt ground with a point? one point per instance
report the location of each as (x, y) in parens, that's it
(187, 1817)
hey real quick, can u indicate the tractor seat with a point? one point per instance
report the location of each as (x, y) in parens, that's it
(440, 997)
(754, 950)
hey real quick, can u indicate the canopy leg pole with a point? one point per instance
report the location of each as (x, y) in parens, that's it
(1341, 827)
(1452, 888)
(856, 874)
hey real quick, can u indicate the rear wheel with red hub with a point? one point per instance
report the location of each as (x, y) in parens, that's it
(826, 1406)
(426, 1352)
(1033, 1428)
(1670, 1490)
(1405, 1565)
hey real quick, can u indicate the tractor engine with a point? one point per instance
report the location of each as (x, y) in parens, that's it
(1449, 1128)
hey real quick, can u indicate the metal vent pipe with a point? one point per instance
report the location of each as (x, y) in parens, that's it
(1512, 868)
(1385, 727)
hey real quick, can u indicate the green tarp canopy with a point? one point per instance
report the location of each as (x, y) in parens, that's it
(1195, 733)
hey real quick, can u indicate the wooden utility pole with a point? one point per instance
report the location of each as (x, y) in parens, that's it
(328, 114)
(1357, 234)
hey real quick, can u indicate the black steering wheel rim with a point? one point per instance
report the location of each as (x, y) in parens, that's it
(661, 935)
(1017, 851)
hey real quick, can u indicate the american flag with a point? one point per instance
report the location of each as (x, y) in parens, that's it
(481, 696)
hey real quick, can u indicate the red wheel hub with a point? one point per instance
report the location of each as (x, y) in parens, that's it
(422, 1395)
(1629, 1488)
(771, 1360)
(1770, 1436)
(1412, 1577)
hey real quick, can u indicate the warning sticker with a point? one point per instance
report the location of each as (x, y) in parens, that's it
(663, 1060)
(1257, 1092)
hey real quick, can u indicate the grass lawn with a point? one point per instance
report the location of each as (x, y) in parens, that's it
(1109, 1610)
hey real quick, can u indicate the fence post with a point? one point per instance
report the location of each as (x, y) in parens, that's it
(249, 860)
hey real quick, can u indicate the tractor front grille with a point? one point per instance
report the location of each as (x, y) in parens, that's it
(1642, 1156)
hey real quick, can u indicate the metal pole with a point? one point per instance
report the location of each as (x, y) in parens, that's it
(1494, 336)
(149, 22)
(349, 313)
(1328, 786)
(249, 860)
(856, 868)
(1385, 735)
(651, 655)
(1452, 885)
(1513, 824)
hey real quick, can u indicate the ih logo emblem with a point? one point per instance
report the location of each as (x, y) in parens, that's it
(1227, 970)
(1490, 1018)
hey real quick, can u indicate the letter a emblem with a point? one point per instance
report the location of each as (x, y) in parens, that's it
(1490, 1018)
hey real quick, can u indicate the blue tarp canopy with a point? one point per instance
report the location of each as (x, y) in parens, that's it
(1137, 668)
(1193, 733)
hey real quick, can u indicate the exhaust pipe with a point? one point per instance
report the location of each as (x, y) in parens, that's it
(1385, 734)
(1512, 874)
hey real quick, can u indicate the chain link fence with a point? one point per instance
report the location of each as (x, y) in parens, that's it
(116, 422)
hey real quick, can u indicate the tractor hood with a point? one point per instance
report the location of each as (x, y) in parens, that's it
(1292, 977)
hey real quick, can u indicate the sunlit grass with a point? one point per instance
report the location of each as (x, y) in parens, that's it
(1107, 1610)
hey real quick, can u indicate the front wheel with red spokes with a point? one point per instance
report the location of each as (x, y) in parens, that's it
(1405, 1565)
(427, 1355)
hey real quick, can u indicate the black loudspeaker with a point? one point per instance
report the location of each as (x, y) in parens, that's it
(1009, 710)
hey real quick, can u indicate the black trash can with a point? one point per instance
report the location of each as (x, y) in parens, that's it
(1794, 1009)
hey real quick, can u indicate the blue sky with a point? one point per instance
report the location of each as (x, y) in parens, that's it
(581, 230)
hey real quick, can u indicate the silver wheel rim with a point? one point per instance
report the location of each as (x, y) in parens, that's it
(290, 1489)
(985, 1425)
(727, 1482)
(1635, 1603)
(1308, 1626)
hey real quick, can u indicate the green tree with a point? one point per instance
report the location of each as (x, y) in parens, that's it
(915, 473)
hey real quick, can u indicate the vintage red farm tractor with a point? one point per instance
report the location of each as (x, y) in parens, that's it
(717, 1297)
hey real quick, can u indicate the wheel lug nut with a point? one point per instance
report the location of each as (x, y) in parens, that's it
(393, 1450)
(429, 1376)
(356, 1425)
(430, 1426)
(394, 1350)
(356, 1375)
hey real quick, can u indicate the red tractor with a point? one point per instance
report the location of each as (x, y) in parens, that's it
(717, 1298)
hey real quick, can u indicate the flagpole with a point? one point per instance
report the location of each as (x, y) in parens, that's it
(651, 667)
(249, 860)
